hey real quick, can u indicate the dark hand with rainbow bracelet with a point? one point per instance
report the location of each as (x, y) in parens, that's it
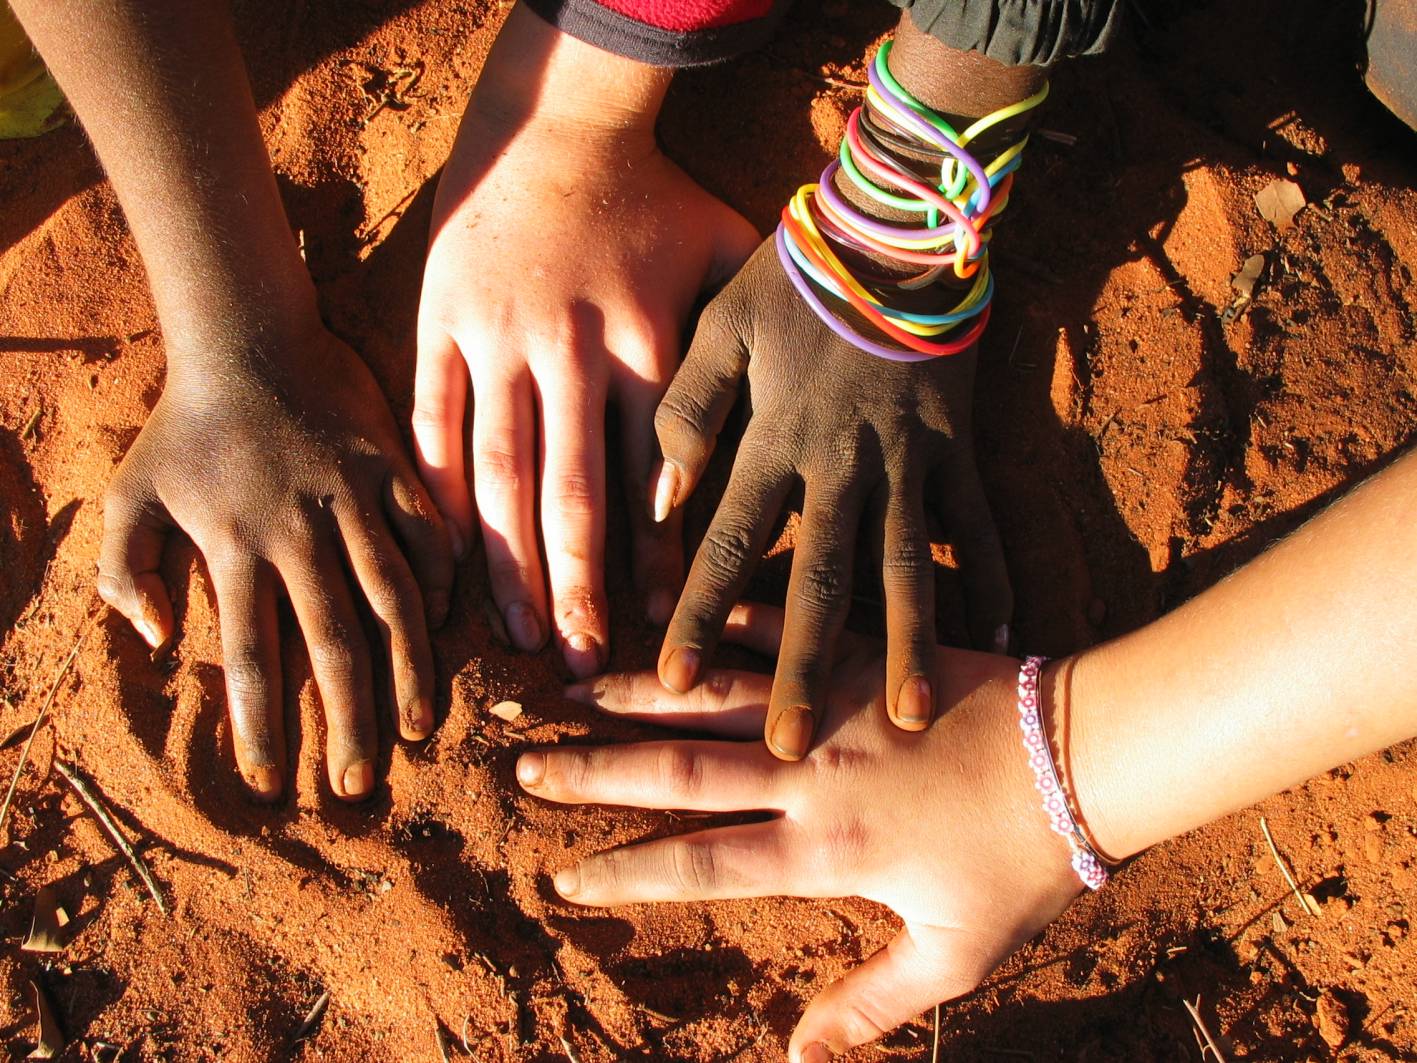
(875, 442)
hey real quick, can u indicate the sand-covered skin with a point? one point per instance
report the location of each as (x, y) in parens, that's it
(1136, 448)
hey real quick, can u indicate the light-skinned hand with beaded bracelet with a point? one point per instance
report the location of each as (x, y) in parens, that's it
(1265, 680)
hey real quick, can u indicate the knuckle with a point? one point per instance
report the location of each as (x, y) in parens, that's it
(693, 867)
(679, 771)
(679, 422)
(498, 470)
(333, 660)
(825, 583)
(907, 560)
(247, 686)
(428, 417)
(114, 589)
(727, 549)
(861, 1023)
(575, 495)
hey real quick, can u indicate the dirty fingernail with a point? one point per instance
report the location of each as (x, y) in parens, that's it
(524, 628)
(582, 655)
(418, 722)
(659, 607)
(792, 733)
(665, 489)
(148, 630)
(816, 1053)
(265, 781)
(359, 778)
(1001, 639)
(914, 703)
(681, 670)
(531, 768)
(567, 882)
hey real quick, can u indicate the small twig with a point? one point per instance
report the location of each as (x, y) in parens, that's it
(39, 722)
(313, 1016)
(1304, 902)
(86, 793)
(1195, 1014)
(935, 1047)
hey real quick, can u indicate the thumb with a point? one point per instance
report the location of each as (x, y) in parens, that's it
(693, 410)
(135, 529)
(920, 968)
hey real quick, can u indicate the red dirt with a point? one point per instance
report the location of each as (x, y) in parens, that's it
(1137, 449)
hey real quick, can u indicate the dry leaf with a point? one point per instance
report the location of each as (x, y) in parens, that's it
(18, 735)
(45, 925)
(51, 1039)
(1279, 201)
(507, 710)
(1244, 281)
(313, 1016)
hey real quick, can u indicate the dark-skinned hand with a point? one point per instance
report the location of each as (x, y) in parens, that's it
(869, 442)
(285, 468)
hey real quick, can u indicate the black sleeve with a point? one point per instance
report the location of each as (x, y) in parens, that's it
(1019, 32)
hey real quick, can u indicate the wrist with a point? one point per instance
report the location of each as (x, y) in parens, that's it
(539, 79)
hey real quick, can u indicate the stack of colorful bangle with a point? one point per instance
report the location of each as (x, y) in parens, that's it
(956, 212)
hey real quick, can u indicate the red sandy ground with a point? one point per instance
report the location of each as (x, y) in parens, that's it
(1137, 449)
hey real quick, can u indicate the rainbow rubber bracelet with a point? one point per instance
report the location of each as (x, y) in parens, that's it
(845, 331)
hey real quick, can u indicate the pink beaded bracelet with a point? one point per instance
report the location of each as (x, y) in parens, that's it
(1086, 862)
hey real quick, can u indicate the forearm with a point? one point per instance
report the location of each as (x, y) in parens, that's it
(1303, 660)
(162, 93)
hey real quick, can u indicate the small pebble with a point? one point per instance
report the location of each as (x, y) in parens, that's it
(1331, 1018)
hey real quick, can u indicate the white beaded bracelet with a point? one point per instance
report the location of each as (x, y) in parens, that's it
(1086, 862)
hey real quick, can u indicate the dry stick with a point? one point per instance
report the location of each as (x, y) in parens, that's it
(935, 1049)
(38, 722)
(1304, 901)
(1205, 1031)
(86, 793)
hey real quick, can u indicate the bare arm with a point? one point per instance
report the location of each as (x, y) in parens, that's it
(271, 446)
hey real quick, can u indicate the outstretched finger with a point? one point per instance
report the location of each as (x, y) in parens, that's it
(339, 657)
(964, 510)
(573, 516)
(751, 860)
(439, 410)
(728, 703)
(818, 598)
(392, 595)
(696, 776)
(135, 528)
(250, 649)
(504, 481)
(908, 575)
(734, 542)
(920, 968)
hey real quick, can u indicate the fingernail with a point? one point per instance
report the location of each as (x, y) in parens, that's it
(419, 722)
(567, 881)
(524, 628)
(359, 778)
(659, 607)
(816, 1053)
(914, 704)
(1001, 639)
(792, 733)
(265, 781)
(582, 655)
(531, 768)
(458, 542)
(148, 630)
(681, 670)
(665, 488)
